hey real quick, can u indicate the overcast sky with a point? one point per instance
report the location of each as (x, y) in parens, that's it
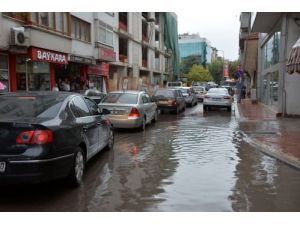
(220, 28)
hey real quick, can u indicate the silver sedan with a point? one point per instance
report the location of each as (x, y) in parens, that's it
(130, 109)
(217, 97)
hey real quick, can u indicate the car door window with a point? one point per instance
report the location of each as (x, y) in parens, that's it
(93, 107)
(79, 107)
(144, 99)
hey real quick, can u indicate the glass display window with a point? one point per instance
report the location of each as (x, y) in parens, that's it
(4, 75)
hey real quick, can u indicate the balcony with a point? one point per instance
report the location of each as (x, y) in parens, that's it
(123, 26)
(145, 63)
(123, 58)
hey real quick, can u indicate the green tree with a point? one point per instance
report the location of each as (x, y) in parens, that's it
(199, 73)
(232, 68)
(187, 63)
(216, 71)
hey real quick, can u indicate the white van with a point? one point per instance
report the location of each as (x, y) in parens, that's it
(173, 84)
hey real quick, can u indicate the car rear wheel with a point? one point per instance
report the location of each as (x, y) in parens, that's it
(77, 170)
(229, 108)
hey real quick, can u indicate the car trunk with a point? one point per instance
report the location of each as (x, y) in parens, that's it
(117, 110)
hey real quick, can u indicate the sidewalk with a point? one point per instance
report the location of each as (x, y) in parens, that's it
(277, 137)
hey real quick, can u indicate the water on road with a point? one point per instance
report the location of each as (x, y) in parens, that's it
(187, 162)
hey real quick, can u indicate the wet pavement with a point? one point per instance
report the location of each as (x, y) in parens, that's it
(188, 162)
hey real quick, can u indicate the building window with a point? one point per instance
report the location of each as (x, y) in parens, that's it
(43, 18)
(17, 15)
(106, 35)
(4, 80)
(58, 21)
(81, 30)
(271, 51)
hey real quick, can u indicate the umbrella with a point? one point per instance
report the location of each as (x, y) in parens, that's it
(293, 63)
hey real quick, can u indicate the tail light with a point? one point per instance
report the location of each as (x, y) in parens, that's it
(174, 103)
(227, 97)
(35, 137)
(134, 113)
(206, 96)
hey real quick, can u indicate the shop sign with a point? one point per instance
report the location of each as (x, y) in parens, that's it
(43, 55)
(79, 59)
(102, 69)
(107, 54)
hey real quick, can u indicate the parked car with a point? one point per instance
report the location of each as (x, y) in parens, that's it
(130, 109)
(200, 92)
(94, 94)
(169, 100)
(49, 135)
(173, 84)
(189, 95)
(217, 97)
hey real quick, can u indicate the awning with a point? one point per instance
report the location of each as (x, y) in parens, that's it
(293, 63)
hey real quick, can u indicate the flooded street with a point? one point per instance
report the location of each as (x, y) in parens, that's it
(190, 162)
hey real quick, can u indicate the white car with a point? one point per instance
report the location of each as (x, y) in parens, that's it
(217, 97)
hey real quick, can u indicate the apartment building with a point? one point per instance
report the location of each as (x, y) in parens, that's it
(104, 50)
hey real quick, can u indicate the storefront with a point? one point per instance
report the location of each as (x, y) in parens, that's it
(35, 71)
(97, 77)
(75, 73)
(4, 73)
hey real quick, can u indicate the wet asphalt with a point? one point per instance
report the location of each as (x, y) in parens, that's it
(193, 161)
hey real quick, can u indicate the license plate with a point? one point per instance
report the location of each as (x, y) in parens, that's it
(2, 167)
(216, 99)
(163, 102)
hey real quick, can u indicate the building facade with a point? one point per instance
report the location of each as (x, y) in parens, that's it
(275, 86)
(105, 50)
(193, 44)
(248, 51)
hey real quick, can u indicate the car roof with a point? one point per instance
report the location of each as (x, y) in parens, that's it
(39, 93)
(128, 91)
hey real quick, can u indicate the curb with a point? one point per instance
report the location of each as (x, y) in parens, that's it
(275, 153)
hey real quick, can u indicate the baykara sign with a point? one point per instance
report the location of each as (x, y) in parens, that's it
(43, 55)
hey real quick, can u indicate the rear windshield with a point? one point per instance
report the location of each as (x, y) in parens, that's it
(30, 106)
(218, 91)
(121, 98)
(165, 93)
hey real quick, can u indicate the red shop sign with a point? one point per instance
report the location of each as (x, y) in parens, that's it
(43, 55)
(107, 54)
(102, 69)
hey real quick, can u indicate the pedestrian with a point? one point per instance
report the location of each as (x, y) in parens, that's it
(240, 82)
(55, 87)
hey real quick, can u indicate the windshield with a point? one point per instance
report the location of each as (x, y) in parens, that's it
(121, 98)
(30, 106)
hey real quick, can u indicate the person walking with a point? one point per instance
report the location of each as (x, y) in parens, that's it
(240, 82)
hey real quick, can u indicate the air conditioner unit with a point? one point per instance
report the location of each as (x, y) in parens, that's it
(18, 36)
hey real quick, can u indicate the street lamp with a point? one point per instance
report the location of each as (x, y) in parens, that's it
(26, 75)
